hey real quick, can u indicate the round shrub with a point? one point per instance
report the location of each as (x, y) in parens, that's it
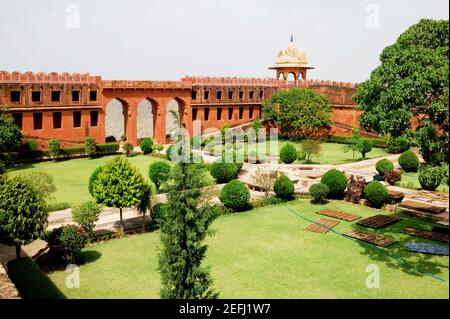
(430, 177)
(65, 242)
(283, 187)
(223, 172)
(146, 145)
(336, 182)
(157, 147)
(288, 153)
(110, 139)
(393, 176)
(383, 166)
(409, 161)
(159, 172)
(319, 192)
(301, 155)
(376, 193)
(235, 195)
(90, 147)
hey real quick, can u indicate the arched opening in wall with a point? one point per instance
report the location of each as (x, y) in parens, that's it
(115, 120)
(291, 77)
(146, 118)
(175, 114)
(281, 76)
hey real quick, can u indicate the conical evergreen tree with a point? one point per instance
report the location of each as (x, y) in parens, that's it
(183, 230)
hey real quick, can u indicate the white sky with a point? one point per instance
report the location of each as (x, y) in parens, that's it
(165, 40)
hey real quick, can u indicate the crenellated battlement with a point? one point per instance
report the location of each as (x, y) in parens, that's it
(236, 81)
(41, 77)
(125, 84)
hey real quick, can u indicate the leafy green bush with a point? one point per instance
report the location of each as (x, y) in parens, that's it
(2, 168)
(30, 281)
(283, 187)
(223, 172)
(365, 146)
(128, 149)
(393, 176)
(146, 145)
(319, 192)
(336, 182)
(430, 177)
(54, 148)
(157, 147)
(399, 144)
(30, 146)
(66, 241)
(444, 167)
(409, 161)
(348, 140)
(86, 214)
(288, 153)
(70, 151)
(159, 172)
(376, 193)
(383, 166)
(301, 155)
(90, 148)
(235, 195)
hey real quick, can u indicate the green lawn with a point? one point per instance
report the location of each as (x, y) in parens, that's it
(411, 180)
(332, 153)
(264, 253)
(71, 176)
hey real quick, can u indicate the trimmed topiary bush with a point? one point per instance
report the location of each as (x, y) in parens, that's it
(86, 215)
(235, 195)
(393, 176)
(301, 155)
(336, 182)
(288, 153)
(283, 187)
(409, 161)
(66, 241)
(159, 172)
(383, 166)
(157, 147)
(319, 192)
(54, 148)
(146, 145)
(376, 193)
(92, 179)
(89, 146)
(430, 177)
(223, 172)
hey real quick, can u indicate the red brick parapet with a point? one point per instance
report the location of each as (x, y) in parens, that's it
(125, 84)
(262, 82)
(41, 77)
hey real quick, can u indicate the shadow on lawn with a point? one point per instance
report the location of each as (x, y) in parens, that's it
(50, 263)
(426, 263)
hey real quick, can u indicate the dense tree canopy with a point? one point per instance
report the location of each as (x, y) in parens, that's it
(23, 216)
(298, 112)
(410, 81)
(10, 135)
(119, 184)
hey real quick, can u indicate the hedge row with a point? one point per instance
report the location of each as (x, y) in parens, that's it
(348, 140)
(31, 282)
(19, 157)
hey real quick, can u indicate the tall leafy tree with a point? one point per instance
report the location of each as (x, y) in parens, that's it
(410, 82)
(23, 215)
(10, 135)
(298, 112)
(183, 230)
(119, 184)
